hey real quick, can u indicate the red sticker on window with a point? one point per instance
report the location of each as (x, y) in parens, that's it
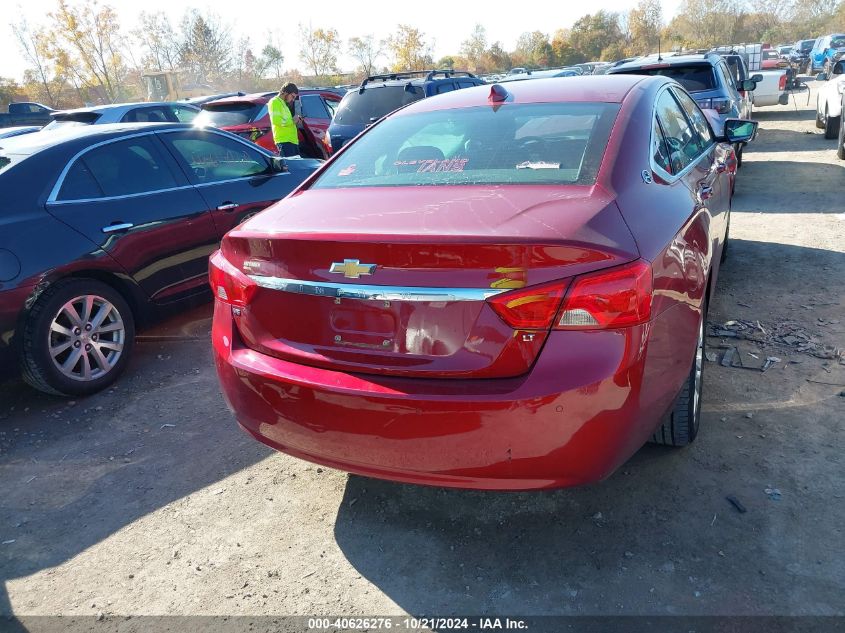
(348, 171)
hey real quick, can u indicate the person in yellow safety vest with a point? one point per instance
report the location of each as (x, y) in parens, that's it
(283, 121)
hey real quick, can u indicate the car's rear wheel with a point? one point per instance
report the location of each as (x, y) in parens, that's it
(819, 117)
(840, 146)
(831, 125)
(77, 339)
(681, 426)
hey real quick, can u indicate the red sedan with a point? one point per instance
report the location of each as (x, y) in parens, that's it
(499, 287)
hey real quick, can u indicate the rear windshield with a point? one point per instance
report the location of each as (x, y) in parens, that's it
(694, 78)
(225, 115)
(807, 45)
(361, 108)
(837, 41)
(538, 143)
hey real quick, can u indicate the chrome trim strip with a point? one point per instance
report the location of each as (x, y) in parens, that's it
(375, 293)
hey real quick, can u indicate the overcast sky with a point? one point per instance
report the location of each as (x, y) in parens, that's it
(445, 24)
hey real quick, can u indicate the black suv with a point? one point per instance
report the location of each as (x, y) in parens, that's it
(382, 94)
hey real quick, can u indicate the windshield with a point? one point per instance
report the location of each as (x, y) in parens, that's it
(225, 115)
(837, 41)
(695, 78)
(545, 143)
(361, 108)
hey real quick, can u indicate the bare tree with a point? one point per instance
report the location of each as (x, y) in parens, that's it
(158, 40)
(365, 50)
(33, 46)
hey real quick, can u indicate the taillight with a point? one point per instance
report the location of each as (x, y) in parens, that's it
(228, 283)
(782, 82)
(327, 141)
(531, 308)
(722, 106)
(613, 298)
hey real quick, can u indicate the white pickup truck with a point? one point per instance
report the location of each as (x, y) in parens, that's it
(771, 89)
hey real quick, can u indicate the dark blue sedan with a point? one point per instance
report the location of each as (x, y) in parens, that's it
(103, 227)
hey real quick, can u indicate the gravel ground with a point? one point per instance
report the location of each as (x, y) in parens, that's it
(148, 500)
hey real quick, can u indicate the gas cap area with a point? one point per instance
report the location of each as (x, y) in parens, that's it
(10, 266)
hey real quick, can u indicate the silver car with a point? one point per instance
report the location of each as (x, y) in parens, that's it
(150, 112)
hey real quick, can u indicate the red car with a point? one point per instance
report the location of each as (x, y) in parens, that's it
(499, 287)
(246, 116)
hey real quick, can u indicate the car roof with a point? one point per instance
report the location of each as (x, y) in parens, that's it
(260, 98)
(38, 141)
(582, 89)
(126, 106)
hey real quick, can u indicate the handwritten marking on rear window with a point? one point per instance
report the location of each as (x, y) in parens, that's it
(432, 165)
(348, 171)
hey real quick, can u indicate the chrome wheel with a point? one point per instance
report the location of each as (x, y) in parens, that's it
(697, 371)
(86, 338)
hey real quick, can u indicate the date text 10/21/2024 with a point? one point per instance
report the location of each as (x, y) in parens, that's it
(416, 624)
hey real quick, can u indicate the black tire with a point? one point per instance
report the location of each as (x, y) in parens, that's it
(840, 146)
(738, 152)
(726, 241)
(115, 334)
(681, 426)
(819, 118)
(831, 125)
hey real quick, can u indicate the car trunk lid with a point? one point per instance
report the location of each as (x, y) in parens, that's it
(410, 296)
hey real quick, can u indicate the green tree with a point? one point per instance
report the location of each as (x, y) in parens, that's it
(409, 50)
(535, 49)
(594, 33)
(271, 60)
(473, 48)
(318, 49)
(645, 23)
(206, 49)
(496, 58)
(564, 52)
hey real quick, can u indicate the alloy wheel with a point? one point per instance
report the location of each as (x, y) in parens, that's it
(86, 338)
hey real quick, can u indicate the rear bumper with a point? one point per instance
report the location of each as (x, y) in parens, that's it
(590, 401)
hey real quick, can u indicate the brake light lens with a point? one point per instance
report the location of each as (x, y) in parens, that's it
(782, 82)
(722, 106)
(613, 298)
(229, 284)
(531, 308)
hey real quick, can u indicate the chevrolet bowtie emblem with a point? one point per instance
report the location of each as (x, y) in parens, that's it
(352, 268)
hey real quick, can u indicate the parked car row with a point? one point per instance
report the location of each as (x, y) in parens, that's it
(829, 99)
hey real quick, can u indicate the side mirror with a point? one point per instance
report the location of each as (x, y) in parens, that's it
(821, 77)
(740, 130)
(748, 85)
(757, 78)
(278, 164)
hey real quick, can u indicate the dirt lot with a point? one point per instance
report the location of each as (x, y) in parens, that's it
(147, 499)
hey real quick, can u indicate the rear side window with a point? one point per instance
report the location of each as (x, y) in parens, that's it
(229, 114)
(683, 142)
(313, 107)
(122, 168)
(212, 157)
(538, 143)
(446, 86)
(361, 108)
(696, 116)
(157, 114)
(695, 77)
(659, 151)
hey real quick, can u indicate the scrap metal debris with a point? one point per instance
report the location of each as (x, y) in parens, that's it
(736, 504)
(787, 337)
